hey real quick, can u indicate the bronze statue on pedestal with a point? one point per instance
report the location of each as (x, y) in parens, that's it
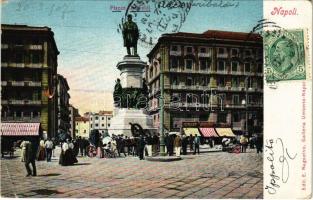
(130, 35)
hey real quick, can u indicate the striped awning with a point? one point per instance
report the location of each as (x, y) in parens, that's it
(208, 132)
(191, 131)
(225, 132)
(19, 129)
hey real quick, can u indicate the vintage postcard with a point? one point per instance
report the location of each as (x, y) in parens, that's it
(165, 99)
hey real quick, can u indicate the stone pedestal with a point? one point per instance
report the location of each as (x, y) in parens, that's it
(131, 77)
(123, 116)
(131, 71)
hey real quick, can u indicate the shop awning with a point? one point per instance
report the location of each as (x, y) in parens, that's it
(20, 129)
(208, 132)
(225, 132)
(191, 131)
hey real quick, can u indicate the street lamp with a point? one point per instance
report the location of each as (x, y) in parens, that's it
(244, 102)
(161, 104)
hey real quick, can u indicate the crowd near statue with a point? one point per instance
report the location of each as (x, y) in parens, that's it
(130, 35)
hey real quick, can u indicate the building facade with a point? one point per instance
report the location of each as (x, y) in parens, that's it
(214, 77)
(63, 105)
(99, 121)
(82, 127)
(29, 76)
(73, 114)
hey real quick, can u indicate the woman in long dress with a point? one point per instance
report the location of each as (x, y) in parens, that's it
(41, 152)
(71, 153)
(61, 159)
(100, 150)
(65, 152)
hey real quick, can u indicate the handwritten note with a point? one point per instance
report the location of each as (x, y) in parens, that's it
(276, 153)
(52, 9)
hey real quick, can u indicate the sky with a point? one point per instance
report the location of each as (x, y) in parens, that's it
(90, 43)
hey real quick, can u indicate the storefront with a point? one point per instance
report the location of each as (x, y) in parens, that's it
(13, 133)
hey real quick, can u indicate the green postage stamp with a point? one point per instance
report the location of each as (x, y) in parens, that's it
(285, 56)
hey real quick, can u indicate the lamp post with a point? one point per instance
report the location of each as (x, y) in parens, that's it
(162, 143)
(245, 102)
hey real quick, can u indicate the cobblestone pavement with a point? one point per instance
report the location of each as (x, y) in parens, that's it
(208, 175)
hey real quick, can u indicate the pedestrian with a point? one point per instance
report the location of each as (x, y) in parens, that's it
(54, 144)
(141, 146)
(125, 144)
(42, 151)
(66, 154)
(72, 157)
(184, 144)
(29, 150)
(196, 144)
(167, 143)
(120, 143)
(177, 145)
(100, 152)
(171, 145)
(85, 145)
(155, 142)
(243, 143)
(76, 147)
(149, 144)
(259, 144)
(191, 139)
(49, 148)
(80, 143)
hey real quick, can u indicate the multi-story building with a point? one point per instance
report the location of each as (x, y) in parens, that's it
(82, 127)
(63, 105)
(215, 77)
(99, 121)
(29, 76)
(73, 114)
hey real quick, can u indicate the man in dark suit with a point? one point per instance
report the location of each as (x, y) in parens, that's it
(141, 146)
(31, 148)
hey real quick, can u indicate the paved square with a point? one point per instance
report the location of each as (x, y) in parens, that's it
(208, 175)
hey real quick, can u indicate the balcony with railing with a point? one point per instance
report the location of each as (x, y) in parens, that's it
(175, 53)
(236, 73)
(223, 55)
(236, 88)
(204, 54)
(33, 83)
(32, 102)
(35, 47)
(34, 65)
(255, 104)
(21, 102)
(20, 119)
(21, 83)
(222, 88)
(221, 72)
(234, 105)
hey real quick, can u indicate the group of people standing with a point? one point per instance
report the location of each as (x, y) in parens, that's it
(68, 154)
(46, 148)
(181, 143)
